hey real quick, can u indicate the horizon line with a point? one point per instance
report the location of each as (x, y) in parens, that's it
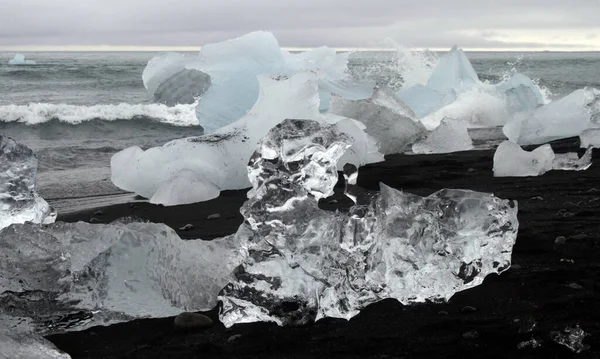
(134, 48)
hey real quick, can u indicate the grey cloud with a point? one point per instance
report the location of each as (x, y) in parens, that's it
(296, 23)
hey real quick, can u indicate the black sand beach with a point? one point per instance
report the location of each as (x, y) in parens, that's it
(552, 284)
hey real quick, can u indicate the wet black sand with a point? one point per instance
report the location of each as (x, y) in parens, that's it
(550, 286)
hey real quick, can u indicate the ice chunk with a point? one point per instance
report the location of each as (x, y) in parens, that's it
(510, 160)
(572, 162)
(67, 276)
(590, 138)
(453, 71)
(386, 118)
(305, 263)
(19, 59)
(233, 66)
(566, 117)
(424, 100)
(572, 338)
(18, 200)
(450, 136)
(28, 346)
(522, 94)
(218, 160)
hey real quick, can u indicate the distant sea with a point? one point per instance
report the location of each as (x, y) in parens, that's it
(77, 109)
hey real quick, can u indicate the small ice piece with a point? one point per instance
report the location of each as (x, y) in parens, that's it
(451, 136)
(571, 161)
(453, 72)
(28, 346)
(305, 263)
(386, 118)
(566, 117)
(19, 59)
(67, 276)
(522, 94)
(19, 202)
(510, 160)
(590, 138)
(197, 168)
(571, 337)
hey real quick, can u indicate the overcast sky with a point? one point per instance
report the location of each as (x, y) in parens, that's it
(534, 24)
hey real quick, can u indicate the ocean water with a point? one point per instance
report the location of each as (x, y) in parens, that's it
(77, 109)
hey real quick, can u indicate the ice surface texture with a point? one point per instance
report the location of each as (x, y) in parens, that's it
(224, 76)
(19, 59)
(304, 263)
(196, 169)
(18, 200)
(386, 118)
(67, 276)
(566, 117)
(510, 160)
(450, 136)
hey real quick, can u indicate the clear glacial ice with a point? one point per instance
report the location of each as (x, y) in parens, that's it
(290, 262)
(197, 168)
(19, 202)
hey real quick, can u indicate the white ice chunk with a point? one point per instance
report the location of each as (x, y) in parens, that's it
(386, 118)
(19, 202)
(572, 162)
(510, 160)
(220, 159)
(566, 117)
(453, 72)
(19, 59)
(450, 136)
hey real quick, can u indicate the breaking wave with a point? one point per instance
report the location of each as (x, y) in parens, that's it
(38, 113)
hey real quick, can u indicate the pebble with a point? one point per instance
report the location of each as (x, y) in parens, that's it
(567, 260)
(471, 335)
(98, 213)
(578, 237)
(95, 220)
(214, 216)
(516, 266)
(538, 198)
(443, 312)
(574, 286)
(560, 240)
(191, 321)
(233, 338)
(134, 206)
(471, 169)
(187, 227)
(333, 201)
(468, 309)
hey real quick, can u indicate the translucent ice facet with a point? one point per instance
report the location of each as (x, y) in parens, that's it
(386, 118)
(67, 276)
(453, 71)
(18, 200)
(572, 162)
(572, 338)
(590, 138)
(28, 346)
(450, 136)
(566, 117)
(305, 263)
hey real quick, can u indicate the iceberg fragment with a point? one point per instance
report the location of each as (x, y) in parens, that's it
(590, 138)
(67, 276)
(423, 100)
(217, 161)
(19, 59)
(28, 346)
(510, 160)
(224, 76)
(450, 136)
(522, 94)
(386, 118)
(19, 202)
(572, 338)
(305, 263)
(566, 117)
(453, 72)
